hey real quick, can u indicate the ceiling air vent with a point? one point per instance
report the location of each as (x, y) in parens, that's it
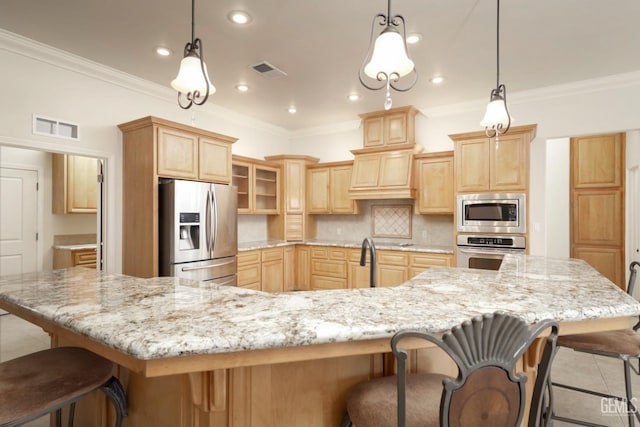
(268, 71)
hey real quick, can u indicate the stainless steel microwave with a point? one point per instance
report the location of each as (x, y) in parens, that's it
(492, 213)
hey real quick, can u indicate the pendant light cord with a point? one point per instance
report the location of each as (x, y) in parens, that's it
(498, 45)
(193, 20)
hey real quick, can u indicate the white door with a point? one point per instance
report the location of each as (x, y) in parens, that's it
(18, 221)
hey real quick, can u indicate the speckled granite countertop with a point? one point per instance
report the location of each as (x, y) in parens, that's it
(164, 317)
(248, 246)
(76, 247)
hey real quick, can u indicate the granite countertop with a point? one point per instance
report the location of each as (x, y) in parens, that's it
(164, 317)
(75, 247)
(410, 247)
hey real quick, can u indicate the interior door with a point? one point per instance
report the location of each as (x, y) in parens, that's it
(18, 221)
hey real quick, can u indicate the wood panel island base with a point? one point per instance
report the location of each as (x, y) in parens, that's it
(196, 354)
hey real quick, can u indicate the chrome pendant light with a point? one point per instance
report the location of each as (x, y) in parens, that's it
(387, 60)
(496, 120)
(192, 83)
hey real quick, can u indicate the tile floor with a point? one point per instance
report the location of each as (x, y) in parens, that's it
(18, 337)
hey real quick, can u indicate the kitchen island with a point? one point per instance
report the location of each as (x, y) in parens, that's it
(192, 353)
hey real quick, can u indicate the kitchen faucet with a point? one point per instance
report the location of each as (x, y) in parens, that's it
(372, 254)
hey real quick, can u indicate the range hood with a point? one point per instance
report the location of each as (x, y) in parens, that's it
(384, 173)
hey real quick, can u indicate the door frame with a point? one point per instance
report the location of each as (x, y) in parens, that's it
(108, 212)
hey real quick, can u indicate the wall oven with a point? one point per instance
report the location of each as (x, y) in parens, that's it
(486, 251)
(492, 213)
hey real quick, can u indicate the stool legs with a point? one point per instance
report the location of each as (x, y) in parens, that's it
(114, 390)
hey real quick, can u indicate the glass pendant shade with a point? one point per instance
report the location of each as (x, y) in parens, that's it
(389, 56)
(496, 115)
(190, 77)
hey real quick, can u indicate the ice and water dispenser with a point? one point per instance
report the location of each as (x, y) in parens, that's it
(189, 237)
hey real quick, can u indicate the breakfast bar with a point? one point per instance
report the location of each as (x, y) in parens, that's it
(192, 353)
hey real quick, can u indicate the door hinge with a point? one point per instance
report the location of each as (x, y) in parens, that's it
(36, 236)
(37, 186)
(100, 178)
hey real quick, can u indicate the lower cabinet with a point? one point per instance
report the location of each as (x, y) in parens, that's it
(249, 269)
(328, 268)
(63, 258)
(264, 270)
(419, 262)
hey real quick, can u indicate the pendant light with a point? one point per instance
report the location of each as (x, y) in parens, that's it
(496, 120)
(192, 83)
(387, 60)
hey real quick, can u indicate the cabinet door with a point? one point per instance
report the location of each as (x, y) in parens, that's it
(85, 258)
(339, 191)
(214, 160)
(289, 268)
(472, 165)
(606, 260)
(303, 268)
(318, 190)
(597, 217)
(294, 189)
(391, 275)
(177, 154)
(373, 132)
(294, 225)
(395, 128)
(82, 184)
(366, 169)
(242, 179)
(393, 169)
(435, 186)
(596, 160)
(358, 275)
(273, 276)
(509, 160)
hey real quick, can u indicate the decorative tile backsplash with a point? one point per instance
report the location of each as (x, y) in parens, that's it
(391, 221)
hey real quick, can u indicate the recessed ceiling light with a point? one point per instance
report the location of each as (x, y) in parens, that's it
(414, 38)
(353, 97)
(239, 17)
(163, 51)
(242, 87)
(292, 110)
(437, 80)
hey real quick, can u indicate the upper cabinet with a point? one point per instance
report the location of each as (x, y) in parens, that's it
(258, 184)
(186, 154)
(328, 189)
(493, 164)
(387, 128)
(434, 182)
(154, 148)
(74, 184)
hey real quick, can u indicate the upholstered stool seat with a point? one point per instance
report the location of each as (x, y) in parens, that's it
(38, 383)
(610, 343)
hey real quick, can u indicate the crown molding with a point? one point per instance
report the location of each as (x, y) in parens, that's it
(547, 93)
(37, 51)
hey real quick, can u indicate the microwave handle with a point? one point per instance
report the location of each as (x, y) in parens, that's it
(491, 252)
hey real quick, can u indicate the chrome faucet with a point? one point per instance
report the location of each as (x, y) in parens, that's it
(372, 254)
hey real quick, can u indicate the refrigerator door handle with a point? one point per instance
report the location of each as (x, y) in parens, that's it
(207, 222)
(226, 282)
(205, 267)
(213, 228)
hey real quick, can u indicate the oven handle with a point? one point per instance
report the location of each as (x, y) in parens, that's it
(486, 251)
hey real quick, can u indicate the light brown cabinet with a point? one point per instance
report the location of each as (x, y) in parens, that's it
(493, 164)
(153, 148)
(435, 183)
(64, 258)
(328, 189)
(267, 270)
(272, 270)
(293, 223)
(249, 270)
(258, 185)
(187, 155)
(74, 184)
(420, 261)
(328, 268)
(392, 127)
(597, 203)
(303, 267)
(384, 173)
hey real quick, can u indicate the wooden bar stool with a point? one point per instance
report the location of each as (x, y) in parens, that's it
(39, 383)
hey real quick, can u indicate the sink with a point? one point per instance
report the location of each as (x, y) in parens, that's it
(404, 245)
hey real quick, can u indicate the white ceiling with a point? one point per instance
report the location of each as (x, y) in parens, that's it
(321, 44)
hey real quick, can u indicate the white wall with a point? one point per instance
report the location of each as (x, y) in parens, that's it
(557, 191)
(44, 81)
(633, 199)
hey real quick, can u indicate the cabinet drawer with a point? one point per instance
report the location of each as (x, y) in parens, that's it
(248, 275)
(423, 260)
(294, 227)
(337, 254)
(321, 282)
(393, 258)
(319, 252)
(272, 254)
(249, 257)
(84, 257)
(330, 268)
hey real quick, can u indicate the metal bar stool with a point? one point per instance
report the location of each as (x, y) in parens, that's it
(487, 391)
(622, 344)
(39, 383)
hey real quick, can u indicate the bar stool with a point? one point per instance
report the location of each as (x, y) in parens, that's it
(39, 383)
(486, 393)
(622, 344)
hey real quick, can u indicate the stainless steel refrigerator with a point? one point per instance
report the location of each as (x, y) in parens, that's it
(198, 231)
